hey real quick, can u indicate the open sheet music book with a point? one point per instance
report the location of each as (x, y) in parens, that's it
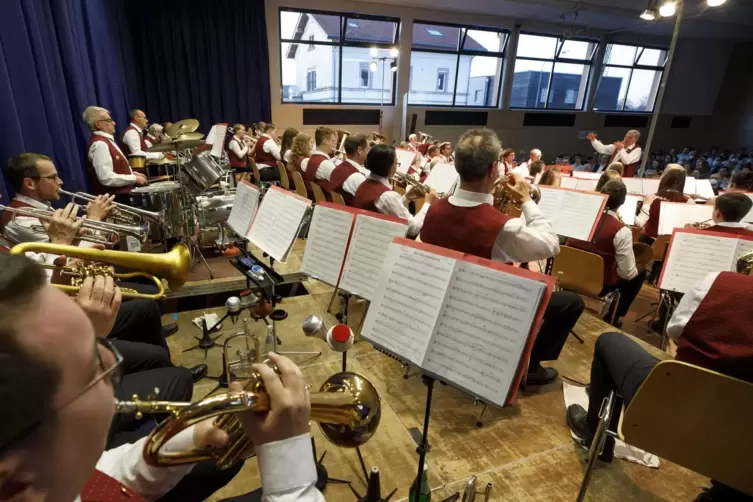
(216, 138)
(568, 182)
(327, 242)
(628, 210)
(245, 204)
(464, 320)
(442, 178)
(693, 254)
(634, 185)
(586, 184)
(572, 213)
(678, 214)
(650, 185)
(278, 221)
(586, 175)
(405, 159)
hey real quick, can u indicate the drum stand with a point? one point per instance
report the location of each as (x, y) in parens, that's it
(190, 203)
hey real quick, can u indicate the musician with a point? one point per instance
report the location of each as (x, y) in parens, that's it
(413, 143)
(134, 140)
(613, 241)
(108, 167)
(267, 153)
(708, 329)
(551, 177)
(742, 181)
(467, 222)
(729, 210)
(445, 152)
(523, 168)
(618, 167)
(153, 135)
(348, 176)
(376, 194)
(534, 169)
(239, 149)
(627, 152)
(287, 144)
(507, 161)
(671, 187)
(605, 178)
(300, 151)
(52, 439)
(319, 167)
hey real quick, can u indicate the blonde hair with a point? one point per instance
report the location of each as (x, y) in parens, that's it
(301, 148)
(237, 127)
(616, 166)
(608, 175)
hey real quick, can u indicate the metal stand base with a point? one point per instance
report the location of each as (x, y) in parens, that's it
(206, 342)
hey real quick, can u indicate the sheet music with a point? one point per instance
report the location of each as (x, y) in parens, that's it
(585, 175)
(650, 185)
(693, 256)
(629, 208)
(368, 248)
(689, 186)
(405, 159)
(678, 214)
(634, 185)
(407, 301)
(571, 214)
(703, 189)
(327, 243)
(276, 225)
(568, 182)
(218, 140)
(482, 330)
(587, 184)
(442, 178)
(245, 204)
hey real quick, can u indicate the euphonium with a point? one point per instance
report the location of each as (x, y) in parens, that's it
(505, 202)
(173, 265)
(347, 408)
(745, 264)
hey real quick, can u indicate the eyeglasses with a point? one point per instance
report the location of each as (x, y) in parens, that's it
(52, 177)
(106, 120)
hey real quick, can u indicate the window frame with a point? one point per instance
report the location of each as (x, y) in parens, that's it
(445, 81)
(459, 51)
(367, 67)
(557, 59)
(341, 43)
(309, 72)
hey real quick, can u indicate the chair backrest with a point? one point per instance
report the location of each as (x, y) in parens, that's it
(643, 255)
(400, 189)
(636, 233)
(582, 272)
(255, 169)
(284, 182)
(337, 198)
(318, 193)
(419, 203)
(697, 418)
(300, 186)
(659, 246)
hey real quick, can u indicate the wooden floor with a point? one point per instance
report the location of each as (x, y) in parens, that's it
(525, 450)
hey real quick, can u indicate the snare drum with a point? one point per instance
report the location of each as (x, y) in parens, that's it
(137, 160)
(158, 197)
(201, 172)
(215, 207)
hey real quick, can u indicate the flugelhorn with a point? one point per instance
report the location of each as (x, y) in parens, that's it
(129, 214)
(419, 188)
(172, 266)
(745, 264)
(701, 225)
(347, 408)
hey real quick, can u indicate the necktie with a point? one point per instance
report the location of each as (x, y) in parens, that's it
(102, 488)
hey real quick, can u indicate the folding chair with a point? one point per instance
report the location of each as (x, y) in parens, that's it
(318, 193)
(284, 181)
(688, 415)
(300, 186)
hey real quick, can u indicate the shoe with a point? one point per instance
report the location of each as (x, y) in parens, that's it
(169, 329)
(198, 372)
(656, 327)
(576, 420)
(617, 323)
(541, 376)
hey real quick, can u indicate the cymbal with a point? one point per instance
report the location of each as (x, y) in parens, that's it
(165, 146)
(181, 127)
(191, 143)
(189, 136)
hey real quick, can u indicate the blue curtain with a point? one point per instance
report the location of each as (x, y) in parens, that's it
(56, 58)
(202, 59)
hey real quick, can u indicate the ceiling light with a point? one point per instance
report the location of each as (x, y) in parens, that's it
(667, 10)
(715, 3)
(394, 52)
(393, 66)
(374, 52)
(373, 66)
(649, 14)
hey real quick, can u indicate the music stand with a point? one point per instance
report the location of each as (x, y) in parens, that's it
(206, 341)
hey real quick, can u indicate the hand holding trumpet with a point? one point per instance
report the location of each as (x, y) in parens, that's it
(63, 226)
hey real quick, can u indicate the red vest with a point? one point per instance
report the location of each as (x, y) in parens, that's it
(262, 157)
(311, 168)
(149, 141)
(603, 245)
(423, 147)
(470, 230)
(102, 488)
(235, 161)
(367, 195)
(341, 173)
(126, 149)
(731, 230)
(7, 216)
(119, 166)
(651, 228)
(718, 335)
(630, 168)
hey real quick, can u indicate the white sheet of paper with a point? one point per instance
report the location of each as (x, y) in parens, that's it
(326, 244)
(568, 182)
(678, 214)
(587, 184)
(276, 225)
(482, 330)
(703, 189)
(571, 214)
(693, 256)
(404, 160)
(634, 185)
(689, 185)
(245, 204)
(366, 253)
(407, 300)
(629, 208)
(650, 185)
(586, 175)
(442, 178)
(218, 139)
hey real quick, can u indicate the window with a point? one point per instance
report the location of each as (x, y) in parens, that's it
(335, 66)
(551, 72)
(455, 65)
(630, 78)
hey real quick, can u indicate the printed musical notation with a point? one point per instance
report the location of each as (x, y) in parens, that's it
(628, 210)
(245, 204)
(678, 214)
(572, 214)
(276, 225)
(326, 244)
(693, 256)
(368, 247)
(405, 159)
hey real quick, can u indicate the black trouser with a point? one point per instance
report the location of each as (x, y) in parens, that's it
(199, 484)
(560, 316)
(139, 321)
(629, 289)
(139, 356)
(269, 174)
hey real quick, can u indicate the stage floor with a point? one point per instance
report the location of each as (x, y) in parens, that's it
(525, 450)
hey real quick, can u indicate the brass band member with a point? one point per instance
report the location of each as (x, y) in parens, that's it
(627, 152)
(319, 167)
(154, 135)
(507, 161)
(376, 194)
(286, 144)
(551, 177)
(239, 149)
(523, 168)
(613, 241)
(133, 141)
(108, 168)
(413, 142)
(299, 152)
(445, 152)
(467, 222)
(606, 176)
(729, 210)
(267, 153)
(348, 175)
(671, 189)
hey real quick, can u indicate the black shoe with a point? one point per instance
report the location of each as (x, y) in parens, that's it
(541, 376)
(576, 420)
(617, 323)
(169, 329)
(198, 372)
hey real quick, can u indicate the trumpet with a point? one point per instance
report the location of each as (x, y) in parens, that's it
(347, 408)
(125, 213)
(701, 225)
(172, 266)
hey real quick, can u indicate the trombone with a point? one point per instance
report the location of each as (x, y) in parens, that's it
(134, 216)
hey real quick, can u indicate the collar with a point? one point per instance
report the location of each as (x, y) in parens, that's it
(317, 152)
(614, 213)
(236, 138)
(354, 164)
(149, 135)
(464, 198)
(34, 203)
(265, 135)
(731, 224)
(104, 135)
(384, 181)
(135, 127)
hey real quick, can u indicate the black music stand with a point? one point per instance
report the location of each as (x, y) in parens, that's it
(206, 341)
(373, 489)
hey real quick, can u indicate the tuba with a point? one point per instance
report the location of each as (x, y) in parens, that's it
(745, 264)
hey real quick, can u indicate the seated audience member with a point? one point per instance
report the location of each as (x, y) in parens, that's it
(467, 222)
(616, 166)
(286, 144)
(708, 329)
(605, 177)
(613, 241)
(590, 164)
(376, 194)
(603, 163)
(348, 176)
(742, 181)
(578, 163)
(318, 168)
(551, 177)
(671, 187)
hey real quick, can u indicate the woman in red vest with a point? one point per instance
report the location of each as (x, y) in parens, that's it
(507, 161)
(239, 149)
(671, 189)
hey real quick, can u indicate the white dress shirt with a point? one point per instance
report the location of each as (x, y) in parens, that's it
(688, 305)
(235, 147)
(522, 170)
(623, 252)
(325, 168)
(354, 181)
(530, 238)
(99, 156)
(19, 229)
(623, 157)
(287, 155)
(132, 138)
(643, 216)
(600, 168)
(272, 148)
(394, 204)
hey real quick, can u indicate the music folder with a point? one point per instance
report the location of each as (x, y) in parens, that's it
(405, 159)
(467, 321)
(572, 213)
(245, 204)
(278, 222)
(442, 178)
(678, 214)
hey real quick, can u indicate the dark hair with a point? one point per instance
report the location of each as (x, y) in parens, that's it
(287, 139)
(742, 180)
(322, 133)
(269, 127)
(23, 166)
(27, 383)
(673, 180)
(617, 192)
(536, 167)
(548, 177)
(733, 206)
(605, 177)
(476, 152)
(380, 159)
(506, 152)
(132, 113)
(432, 148)
(354, 142)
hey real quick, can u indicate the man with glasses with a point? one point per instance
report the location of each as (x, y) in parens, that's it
(134, 137)
(57, 381)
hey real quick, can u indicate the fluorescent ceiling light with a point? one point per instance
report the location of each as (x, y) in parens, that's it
(649, 15)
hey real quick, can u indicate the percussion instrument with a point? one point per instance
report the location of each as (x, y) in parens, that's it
(201, 172)
(164, 197)
(137, 161)
(182, 127)
(189, 140)
(215, 207)
(165, 146)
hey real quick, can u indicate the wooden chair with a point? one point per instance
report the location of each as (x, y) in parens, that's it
(643, 255)
(284, 181)
(318, 193)
(257, 176)
(636, 233)
(659, 247)
(337, 198)
(300, 186)
(419, 203)
(688, 415)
